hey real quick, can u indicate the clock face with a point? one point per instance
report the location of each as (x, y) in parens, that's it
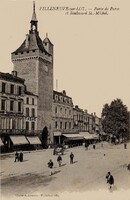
(46, 68)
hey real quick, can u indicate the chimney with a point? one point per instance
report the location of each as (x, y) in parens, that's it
(64, 92)
(14, 73)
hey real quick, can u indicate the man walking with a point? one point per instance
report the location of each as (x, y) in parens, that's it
(110, 179)
(50, 165)
(59, 160)
(21, 156)
(16, 156)
(71, 158)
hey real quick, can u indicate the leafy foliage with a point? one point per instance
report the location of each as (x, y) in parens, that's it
(115, 118)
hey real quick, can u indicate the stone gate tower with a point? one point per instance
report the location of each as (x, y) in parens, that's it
(33, 61)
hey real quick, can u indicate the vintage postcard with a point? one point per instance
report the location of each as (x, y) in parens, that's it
(64, 99)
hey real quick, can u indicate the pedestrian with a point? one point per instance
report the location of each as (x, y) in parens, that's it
(128, 167)
(21, 157)
(110, 179)
(59, 160)
(16, 156)
(71, 158)
(50, 165)
(54, 151)
(93, 146)
(86, 145)
(125, 146)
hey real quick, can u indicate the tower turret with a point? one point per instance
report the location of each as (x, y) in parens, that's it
(48, 45)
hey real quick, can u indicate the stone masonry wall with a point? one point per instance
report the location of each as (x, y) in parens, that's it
(45, 95)
(27, 69)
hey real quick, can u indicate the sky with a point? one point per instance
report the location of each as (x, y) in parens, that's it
(91, 52)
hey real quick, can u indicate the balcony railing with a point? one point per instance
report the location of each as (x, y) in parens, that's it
(19, 132)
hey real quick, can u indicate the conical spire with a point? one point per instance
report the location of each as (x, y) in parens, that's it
(34, 21)
(34, 18)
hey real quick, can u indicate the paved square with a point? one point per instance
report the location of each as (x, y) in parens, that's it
(87, 174)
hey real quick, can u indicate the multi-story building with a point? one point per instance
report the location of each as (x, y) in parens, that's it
(33, 61)
(11, 102)
(62, 114)
(86, 121)
(78, 117)
(30, 112)
(96, 127)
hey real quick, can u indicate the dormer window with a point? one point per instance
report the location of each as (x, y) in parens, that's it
(56, 97)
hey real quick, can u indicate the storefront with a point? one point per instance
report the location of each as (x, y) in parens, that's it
(18, 142)
(89, 137)
(57, 137)
(73, 139)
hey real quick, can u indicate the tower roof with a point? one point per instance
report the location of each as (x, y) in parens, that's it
(34, 18)
(33, 40)
(34, 43)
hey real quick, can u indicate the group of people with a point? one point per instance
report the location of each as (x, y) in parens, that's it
(59, 160)
(109, 177)
(18, 157)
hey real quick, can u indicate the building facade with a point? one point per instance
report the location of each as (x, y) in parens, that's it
(30, 112)
(78, 116)
(62, 114)
(11, 102)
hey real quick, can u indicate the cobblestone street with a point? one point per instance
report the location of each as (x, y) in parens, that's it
(87, 174)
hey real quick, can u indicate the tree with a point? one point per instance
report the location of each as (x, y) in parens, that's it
(115, 119)
(44, 137)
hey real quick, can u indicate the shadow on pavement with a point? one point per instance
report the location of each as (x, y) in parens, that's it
(25, 160)
(75, 162)
(63, 165)
(56, 172)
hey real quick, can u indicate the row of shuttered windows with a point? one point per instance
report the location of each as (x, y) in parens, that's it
(11, 123)
(12, 105)
(61, 125)
(28, 126)
(12, 89)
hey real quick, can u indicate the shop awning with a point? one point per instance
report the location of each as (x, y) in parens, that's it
(18, 140)
(95, 136)
(34, 140)
(57, 133)
(73, 136)
(88, 136)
